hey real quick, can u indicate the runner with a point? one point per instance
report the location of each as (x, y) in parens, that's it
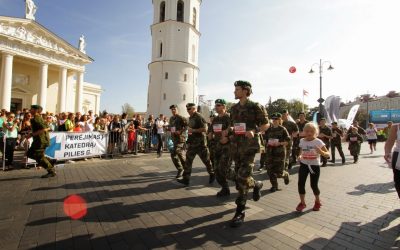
(355, 140)
(372, 136)
(393, 159)
(311, 148)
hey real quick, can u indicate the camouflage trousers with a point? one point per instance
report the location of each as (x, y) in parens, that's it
(223, 162)
(243, 173)
(263, 159)
(204, 154)
(276, 166)
(178, 155)
(355, 149)
(37, 153)
(288, 156)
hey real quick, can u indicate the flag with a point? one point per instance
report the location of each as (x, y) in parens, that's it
(305, 92)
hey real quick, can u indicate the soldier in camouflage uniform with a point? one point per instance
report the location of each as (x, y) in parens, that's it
(293, 131)
(41, 140)
(177, 126)
(355, 140)
(247, 120)
(196, 145)
(222, 146)
(211, 142)
(325, 134)
(300, 124)
(276, 138)
(336, 142)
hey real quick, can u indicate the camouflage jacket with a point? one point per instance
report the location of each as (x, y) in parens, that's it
(178, 123)
(197, 121)
(337, 134)
(219, 124)
(326, 131)
(280, 134)
(37, 124)
(291, 127)
(354, 138)
(252, 115)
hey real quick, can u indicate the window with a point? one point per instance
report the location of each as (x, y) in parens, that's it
(165, 96)
(166, 75)
(194, 17)
(184, 97)
(185, 78)
(161, 50)
(180, 11)
(193, 53)
(162, 11)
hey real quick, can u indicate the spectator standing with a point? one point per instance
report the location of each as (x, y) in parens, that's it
(70, 123)
(11, 131)
(131, 136)
(115, 129)
(160, 133)
(50, 123)
(2, 120)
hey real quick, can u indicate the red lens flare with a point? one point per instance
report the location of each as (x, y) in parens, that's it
(75, 207)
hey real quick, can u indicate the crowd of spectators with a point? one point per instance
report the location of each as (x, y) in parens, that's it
(125, 134)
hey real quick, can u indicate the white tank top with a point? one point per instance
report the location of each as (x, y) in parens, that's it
(397, 148)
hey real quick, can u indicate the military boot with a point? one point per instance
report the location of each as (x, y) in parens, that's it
(257, 190)
(225, 191)
(184, 181)
(286, 178)
(238, 219)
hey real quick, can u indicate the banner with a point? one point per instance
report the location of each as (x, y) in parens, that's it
(67, 146)
(352, 115)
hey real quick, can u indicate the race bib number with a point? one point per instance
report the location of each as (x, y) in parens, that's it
(273, 142)
(353, 139)
(309, 154)
(160, 130)
(217, 128)
(240, 128)
(173, 129)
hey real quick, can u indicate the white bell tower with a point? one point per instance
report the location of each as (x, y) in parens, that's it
(174, 66)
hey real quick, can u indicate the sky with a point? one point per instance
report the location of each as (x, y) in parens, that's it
(254, 40)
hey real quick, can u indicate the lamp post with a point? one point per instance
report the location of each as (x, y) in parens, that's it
(321, 70)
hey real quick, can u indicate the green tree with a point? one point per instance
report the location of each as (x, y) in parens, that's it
(277, 106)
(128, 109)
(295, 107)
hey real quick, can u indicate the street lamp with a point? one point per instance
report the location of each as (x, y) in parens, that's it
(321, 70)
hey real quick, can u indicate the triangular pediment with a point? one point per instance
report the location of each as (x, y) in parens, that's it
(31, 32)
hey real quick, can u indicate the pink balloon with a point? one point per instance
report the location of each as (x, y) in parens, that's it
(292, 69)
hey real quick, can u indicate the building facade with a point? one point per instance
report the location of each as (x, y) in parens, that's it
(377, 103)
(39, 67)
(174, 67)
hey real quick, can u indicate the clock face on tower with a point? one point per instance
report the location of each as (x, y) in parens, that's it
(174, 67)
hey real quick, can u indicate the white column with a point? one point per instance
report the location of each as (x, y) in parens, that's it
(79, 92)
(43, 76)
(97, 111)
(6, 81)
(62, 89)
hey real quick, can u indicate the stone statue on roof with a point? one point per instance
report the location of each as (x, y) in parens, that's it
(30, 9)
(82, 44)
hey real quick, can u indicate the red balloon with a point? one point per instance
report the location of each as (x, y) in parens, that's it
(75, 207)
(292, 69)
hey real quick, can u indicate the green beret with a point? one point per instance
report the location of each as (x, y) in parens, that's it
(173, 107)
(190, 105)
(36, 106)
(275, 116)
(220, 101)
(243, 84)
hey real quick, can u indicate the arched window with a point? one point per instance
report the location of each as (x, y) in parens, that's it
(184, 97)
(162, 11)
(180, 11)
(194, 17)
(161, 50)
(185, 78)
(166, 76)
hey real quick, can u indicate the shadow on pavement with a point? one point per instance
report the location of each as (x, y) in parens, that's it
(192, 233)
(372, 235)
(376, 188)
